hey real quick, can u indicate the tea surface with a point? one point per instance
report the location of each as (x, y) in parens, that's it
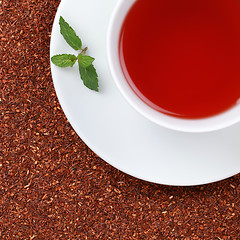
(182, 58)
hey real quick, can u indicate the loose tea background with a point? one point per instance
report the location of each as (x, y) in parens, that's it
(52, 186)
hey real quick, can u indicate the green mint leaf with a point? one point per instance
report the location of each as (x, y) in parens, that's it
(89, 77)
(69, 35)
(85, 61)
(64, 60)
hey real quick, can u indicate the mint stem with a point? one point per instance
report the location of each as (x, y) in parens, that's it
(83, 52)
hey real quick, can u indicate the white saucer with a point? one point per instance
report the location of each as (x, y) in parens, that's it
(115, 131)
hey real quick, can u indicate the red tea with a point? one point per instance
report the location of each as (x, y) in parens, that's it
(182, 57)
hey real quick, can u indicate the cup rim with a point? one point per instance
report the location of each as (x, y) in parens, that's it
(217, 122)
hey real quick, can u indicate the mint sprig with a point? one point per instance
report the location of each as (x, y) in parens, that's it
(85, 63)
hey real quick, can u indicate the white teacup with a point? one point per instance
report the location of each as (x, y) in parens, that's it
(217, 122)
